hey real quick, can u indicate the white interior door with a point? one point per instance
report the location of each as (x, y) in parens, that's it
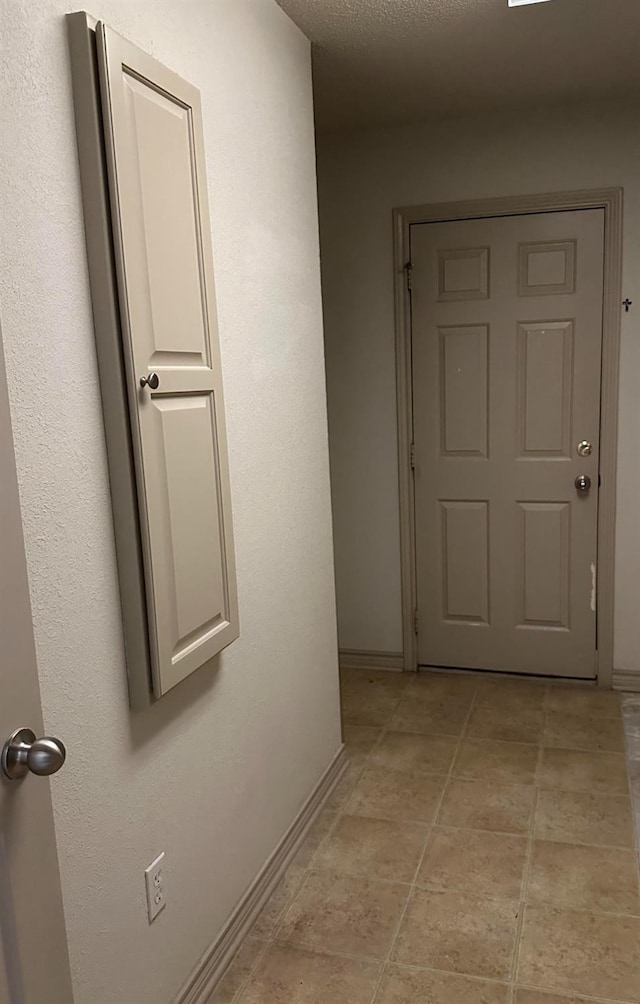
(34, 965)
(506, 343)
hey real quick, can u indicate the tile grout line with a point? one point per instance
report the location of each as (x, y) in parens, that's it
(528, 868)
(272, 939)
(569, 996)
(252, 969)
(530, 841)
(340, 812)
(526, 873)
(384, 729)
(635, 808)
(430, 829)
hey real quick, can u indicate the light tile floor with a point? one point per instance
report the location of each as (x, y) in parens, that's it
(479, 850)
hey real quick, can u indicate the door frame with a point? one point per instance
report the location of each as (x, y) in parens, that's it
(611, 201)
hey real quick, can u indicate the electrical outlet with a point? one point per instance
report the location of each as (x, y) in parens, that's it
(154, 881)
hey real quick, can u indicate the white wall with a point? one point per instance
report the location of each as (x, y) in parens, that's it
(362, 176)
(214, 773)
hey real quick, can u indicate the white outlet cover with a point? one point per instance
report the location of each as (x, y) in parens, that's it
(523, 3)
(154, 884)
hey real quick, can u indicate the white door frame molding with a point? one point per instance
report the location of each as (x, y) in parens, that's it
(611, 201)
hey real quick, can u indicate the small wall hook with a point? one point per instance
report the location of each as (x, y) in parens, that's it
(626, 304)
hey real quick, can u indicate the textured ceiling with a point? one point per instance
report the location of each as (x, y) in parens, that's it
(384, 61)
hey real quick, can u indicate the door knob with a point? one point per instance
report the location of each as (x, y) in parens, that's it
(22, 753)
(152, 381)
(583, 483)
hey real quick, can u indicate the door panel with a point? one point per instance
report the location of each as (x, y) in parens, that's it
(185, 528)
(165, 277)
(465, 571)
(545, 550)
(34, 964)
(545, 387)
(463, 391)
(170, 320)
(506, 346)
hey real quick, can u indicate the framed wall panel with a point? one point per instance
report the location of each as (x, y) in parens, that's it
(147, 228)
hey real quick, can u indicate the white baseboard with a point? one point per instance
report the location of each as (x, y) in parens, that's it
(213, 964)
(626, 679)
(352, 658)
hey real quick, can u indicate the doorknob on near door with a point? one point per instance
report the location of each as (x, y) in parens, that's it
(152, 381)
(22, 753)
(583, 483)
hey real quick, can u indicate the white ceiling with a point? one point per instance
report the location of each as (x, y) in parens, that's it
(383, 61)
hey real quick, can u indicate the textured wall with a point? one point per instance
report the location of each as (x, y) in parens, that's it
(362, 177)
(215, 772)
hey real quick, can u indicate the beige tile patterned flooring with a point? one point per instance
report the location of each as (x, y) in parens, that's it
(479, 850)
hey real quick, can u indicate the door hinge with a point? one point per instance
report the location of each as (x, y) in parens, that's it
(409, 270)
(412, 456)
(415, 620)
